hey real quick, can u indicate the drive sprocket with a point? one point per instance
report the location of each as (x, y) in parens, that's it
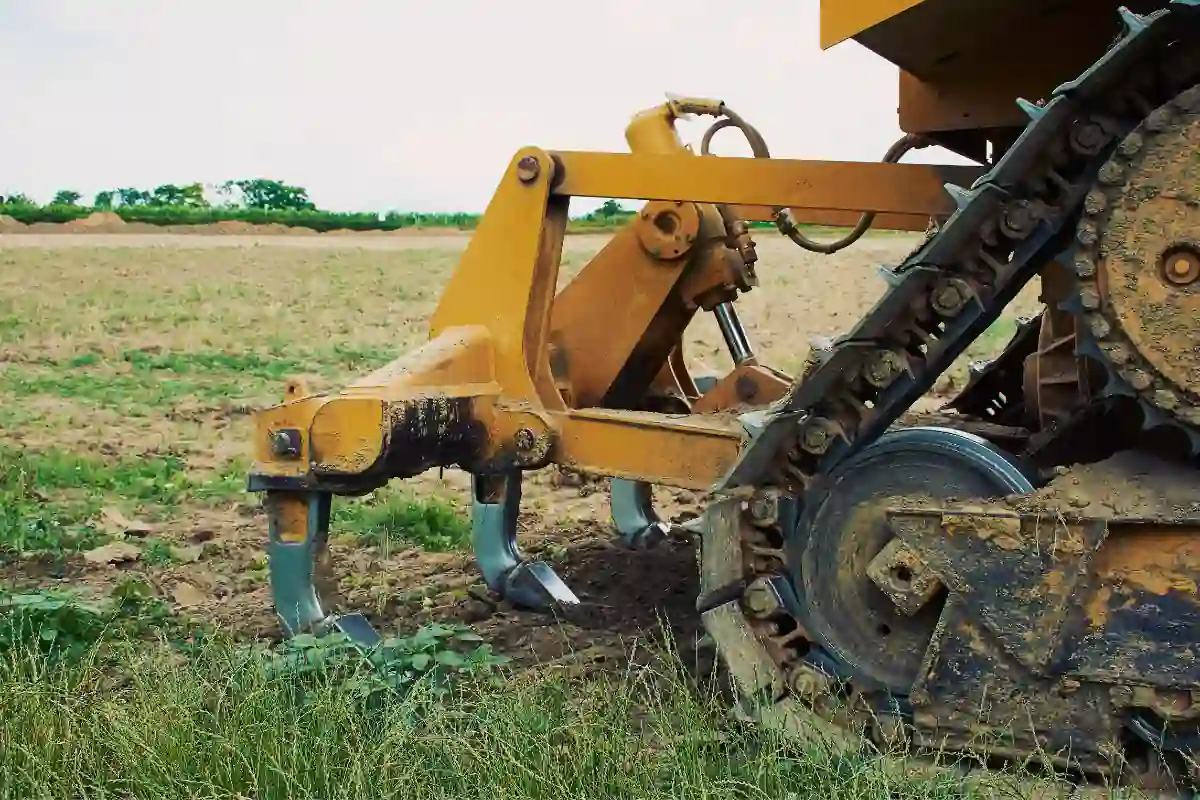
(1138, 264)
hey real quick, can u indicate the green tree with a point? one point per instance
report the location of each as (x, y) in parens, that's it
(609, 208)
(65, 197)
(18, 199)
(272, 195)
(190, 196)
(104, 200)
(133, 197)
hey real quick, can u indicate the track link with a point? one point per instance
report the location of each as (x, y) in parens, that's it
(1014, 221)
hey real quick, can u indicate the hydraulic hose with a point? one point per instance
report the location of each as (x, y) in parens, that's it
(783, 216)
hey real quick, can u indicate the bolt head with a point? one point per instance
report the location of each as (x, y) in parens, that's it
(949, 298)
(1181, 268)
(528, 169)
(525, 439)
(1088, 137)
(764, 509)
(286, 443)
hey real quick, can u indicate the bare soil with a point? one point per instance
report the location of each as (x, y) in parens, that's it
(309, 299)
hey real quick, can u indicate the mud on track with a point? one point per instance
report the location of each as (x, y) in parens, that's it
(136, 349)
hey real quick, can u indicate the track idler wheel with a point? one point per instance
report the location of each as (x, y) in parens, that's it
(824, 610)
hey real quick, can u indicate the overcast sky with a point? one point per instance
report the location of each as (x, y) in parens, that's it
(404, 104)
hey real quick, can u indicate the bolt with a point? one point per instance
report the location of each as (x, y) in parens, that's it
(760, 598)
(1019, 219)
(286, 443)
(818, 434)
(528, 169)
(807, 682)
(950, 297)
(1088, 137)
(883, 368)
(1095, 202)
(525, 439)
(1181, 268)
(764, 509)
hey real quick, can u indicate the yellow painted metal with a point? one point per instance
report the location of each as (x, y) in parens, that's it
(348, 435)
(839, 185)
(689, 452)
(843, 19)
(506, 278)
(512, 376)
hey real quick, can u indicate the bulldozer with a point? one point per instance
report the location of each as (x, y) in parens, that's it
(1015, 581)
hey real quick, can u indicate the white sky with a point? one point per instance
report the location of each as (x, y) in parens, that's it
(405, 104)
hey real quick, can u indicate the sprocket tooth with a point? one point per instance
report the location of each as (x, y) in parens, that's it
(961, 197)
(889, 274)
(1032, 110)
(1153, 418)
(1132, 22)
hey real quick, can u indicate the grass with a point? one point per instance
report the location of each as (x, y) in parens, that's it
(218, 725)
(391, 519)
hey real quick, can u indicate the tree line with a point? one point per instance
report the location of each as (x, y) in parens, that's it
(256, 200)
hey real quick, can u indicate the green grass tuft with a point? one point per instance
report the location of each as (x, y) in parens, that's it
(389, 519)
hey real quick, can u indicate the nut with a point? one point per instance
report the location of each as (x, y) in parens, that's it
(764, 508)
(818, 435)
(806, 682)
(882, 368)
(761, 599)
(950, 296)
(1019, 219)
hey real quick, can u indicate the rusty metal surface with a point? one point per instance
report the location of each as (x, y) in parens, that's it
(1064, 602)
(1139, 269)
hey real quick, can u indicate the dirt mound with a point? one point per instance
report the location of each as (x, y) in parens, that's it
(97, 222)
(227, 226)
(10, 225)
